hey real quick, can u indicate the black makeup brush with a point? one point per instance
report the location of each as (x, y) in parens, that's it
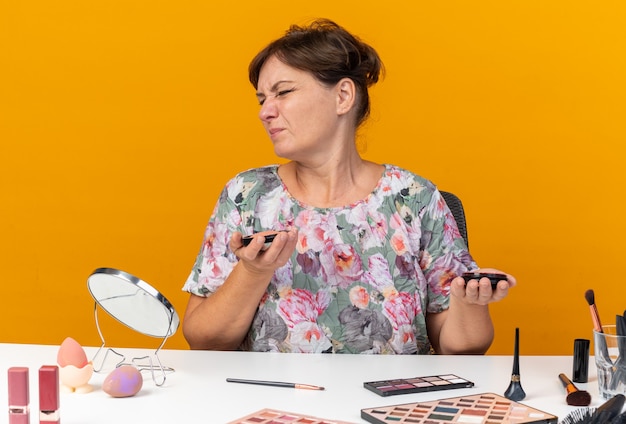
(620, 419)
(608, 410)
(619, 376)
(575, 396)
(579, 416)
(607, 413)
(514, 391)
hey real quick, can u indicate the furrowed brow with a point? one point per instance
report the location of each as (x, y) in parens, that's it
(274, 88)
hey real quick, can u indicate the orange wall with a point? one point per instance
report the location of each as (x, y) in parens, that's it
(120, 122)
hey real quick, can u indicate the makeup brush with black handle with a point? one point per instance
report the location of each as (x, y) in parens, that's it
(515, 391)
(620, 419)
(607, 413)
(609, 410)
(619, 375)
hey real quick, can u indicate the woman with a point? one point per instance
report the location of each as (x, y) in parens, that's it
(366, 258)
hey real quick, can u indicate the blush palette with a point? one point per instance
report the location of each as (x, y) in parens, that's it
(485, 408)
(273, 416)
(429, 383)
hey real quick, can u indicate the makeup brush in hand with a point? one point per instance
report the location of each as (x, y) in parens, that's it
(575, 396)
(514, 391)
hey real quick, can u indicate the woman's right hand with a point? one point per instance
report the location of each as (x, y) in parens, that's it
(256, 258)
(220, 321)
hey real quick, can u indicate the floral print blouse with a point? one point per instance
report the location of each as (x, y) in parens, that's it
(362, 277)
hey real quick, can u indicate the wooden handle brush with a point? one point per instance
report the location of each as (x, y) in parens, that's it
(575, 396)
(595, 316)
(597, 324)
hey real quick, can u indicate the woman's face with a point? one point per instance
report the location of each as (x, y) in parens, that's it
(299, 113)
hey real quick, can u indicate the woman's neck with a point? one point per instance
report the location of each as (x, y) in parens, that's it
(331, 184)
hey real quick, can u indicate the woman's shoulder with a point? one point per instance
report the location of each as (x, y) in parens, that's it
(265, 175)
(252, 183)
(404, 179)
(268, 171)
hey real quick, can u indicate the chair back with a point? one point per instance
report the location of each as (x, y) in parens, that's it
(456, 207)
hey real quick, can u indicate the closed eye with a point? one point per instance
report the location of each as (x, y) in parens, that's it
(284, 92)
(280, 93)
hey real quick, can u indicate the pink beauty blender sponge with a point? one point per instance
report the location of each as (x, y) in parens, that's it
(74, 368)
(124, 381)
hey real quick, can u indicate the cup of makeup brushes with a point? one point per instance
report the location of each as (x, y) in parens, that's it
(610, 357)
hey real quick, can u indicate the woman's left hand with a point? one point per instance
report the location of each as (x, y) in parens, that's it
(479, 292)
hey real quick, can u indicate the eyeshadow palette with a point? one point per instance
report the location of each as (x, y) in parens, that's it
(273, 416)
(429, 383)
(485, 408)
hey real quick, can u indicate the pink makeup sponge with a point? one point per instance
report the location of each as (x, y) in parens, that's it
(71, 353)
(123, 381)
(74, 368)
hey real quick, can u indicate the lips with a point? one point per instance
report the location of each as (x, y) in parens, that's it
(273, 132)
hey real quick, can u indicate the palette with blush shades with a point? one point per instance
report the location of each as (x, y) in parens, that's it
(484, 408)
(273, 416)
(401, 386)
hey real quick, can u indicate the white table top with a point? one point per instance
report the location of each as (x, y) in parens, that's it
(198, 392)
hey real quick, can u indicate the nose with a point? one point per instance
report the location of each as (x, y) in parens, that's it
(268, 110)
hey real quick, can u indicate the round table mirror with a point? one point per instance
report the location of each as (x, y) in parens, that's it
(133, 302)
(137, 305)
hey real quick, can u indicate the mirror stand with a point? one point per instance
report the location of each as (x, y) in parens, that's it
(139, 306)
(142, 363)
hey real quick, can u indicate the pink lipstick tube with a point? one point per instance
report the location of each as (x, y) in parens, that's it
(18, 395)
(49, 395)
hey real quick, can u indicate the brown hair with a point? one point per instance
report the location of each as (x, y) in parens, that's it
(329, 53)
